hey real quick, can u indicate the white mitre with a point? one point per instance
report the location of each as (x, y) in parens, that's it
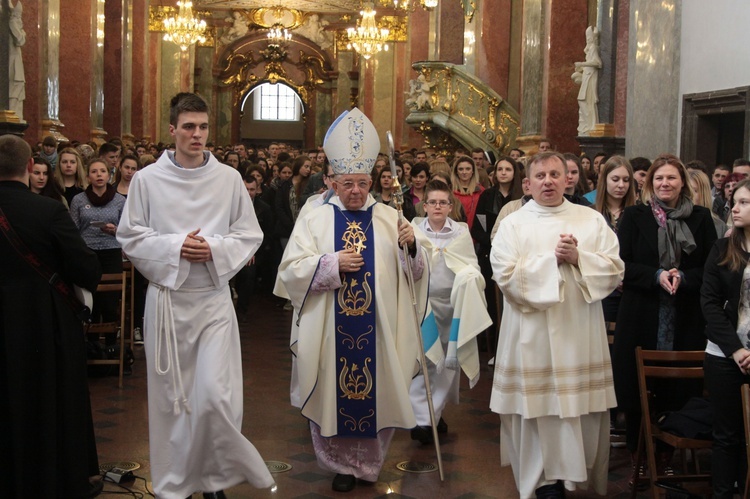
(352, 143)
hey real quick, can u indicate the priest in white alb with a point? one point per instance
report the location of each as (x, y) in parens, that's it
(554, 262)
(189, 226)
(355, 344)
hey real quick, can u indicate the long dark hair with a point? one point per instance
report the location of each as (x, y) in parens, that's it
(516, 185)
(52, 188)
(734, 256)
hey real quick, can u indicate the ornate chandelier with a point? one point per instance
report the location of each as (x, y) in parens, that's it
(409, 5)
(367, 38)
(278, 34)
(184, 29)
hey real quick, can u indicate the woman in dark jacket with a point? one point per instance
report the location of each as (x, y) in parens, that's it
(664, 244)
(725, 301)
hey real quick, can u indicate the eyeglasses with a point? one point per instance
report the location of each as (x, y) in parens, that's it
(349, 185)
(442, 203)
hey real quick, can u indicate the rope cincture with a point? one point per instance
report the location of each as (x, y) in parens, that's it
(166, 333)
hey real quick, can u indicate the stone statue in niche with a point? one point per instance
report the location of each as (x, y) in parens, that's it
(587, 76)
(16, 78)
(237, 30)
(420, 94)
(314, 29)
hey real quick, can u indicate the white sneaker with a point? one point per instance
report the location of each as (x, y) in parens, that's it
(288, 305)
(137, 336)
(491, 362)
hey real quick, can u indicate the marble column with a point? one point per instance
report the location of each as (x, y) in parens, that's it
(449, 32)
(78, 28)
(126, 90)
(567, 22)
(621, 80)
(114, 24)
(96, 102)
(653, 77)
(532, 72)
(49, 69)
(141, 72)
(492, 46)
(607, 25)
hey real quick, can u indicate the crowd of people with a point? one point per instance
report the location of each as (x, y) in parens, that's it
(657, 247)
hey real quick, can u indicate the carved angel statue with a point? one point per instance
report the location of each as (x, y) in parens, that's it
(237, 30)
(587, 75)
(420, 93)
(16, 78)
(314, 29)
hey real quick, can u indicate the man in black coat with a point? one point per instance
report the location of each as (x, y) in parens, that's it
(47, 437)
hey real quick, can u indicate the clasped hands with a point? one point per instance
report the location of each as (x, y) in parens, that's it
(566, 250)
(195, 249)
(670, 280)
(351, 261)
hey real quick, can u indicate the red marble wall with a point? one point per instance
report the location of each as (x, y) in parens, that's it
(113, 67)
(76, 70)
(139, 101)
(451, 21)
(621, 76)
(418, 50)
(152, 117)
(31, 54)
(493, 45)
(566, 31)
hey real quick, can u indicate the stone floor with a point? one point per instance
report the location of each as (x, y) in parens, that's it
(471, 451)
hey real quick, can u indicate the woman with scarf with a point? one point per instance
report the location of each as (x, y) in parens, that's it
(96, 212)
(664, 243)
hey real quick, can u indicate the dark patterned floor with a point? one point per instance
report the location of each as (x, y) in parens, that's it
(471, 451)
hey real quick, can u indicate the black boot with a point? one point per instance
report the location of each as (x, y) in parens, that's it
(343, 483)
(214, 495)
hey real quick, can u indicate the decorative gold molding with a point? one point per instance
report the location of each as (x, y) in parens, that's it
(157, 14)
(266, 17)
(398, 27)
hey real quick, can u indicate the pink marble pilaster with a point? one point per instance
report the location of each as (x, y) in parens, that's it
(566, 27)
(451, 32)
(493, 45)
(113, 30)
(140, 104)
(76, 70)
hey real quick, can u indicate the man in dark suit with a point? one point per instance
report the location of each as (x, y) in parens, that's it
(315, 185)
(247, 278)
(45, 413)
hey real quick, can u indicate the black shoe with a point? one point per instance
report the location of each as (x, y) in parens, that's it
(343, 483)
(554, 491)
(423, 434)
(442, 426)
(214, 495)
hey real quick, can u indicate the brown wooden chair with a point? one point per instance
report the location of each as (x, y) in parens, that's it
(746, 416)
(111, 283)
(129, 270)
(653, 364)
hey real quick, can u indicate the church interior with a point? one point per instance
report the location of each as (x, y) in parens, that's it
(461, 73)
(440, 74)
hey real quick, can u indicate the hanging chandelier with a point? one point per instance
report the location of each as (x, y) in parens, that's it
(278, 34)
(409, 5)
(184, 29)
(367, 38)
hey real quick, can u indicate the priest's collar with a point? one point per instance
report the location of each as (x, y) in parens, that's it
(336, 201)
(170, 155)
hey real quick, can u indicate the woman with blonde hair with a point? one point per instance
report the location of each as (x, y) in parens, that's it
(466, 186)
(702, 197)
(70, 173)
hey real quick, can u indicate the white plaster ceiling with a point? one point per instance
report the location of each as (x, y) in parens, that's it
(320, 6)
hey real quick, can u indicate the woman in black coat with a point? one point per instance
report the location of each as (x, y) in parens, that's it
(727, 311)
(664, 244)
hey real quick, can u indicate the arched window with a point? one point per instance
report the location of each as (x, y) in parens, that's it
(275, 102)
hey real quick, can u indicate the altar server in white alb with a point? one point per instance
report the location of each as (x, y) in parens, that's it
(457, 313)
(189, 226)
(554, 262)
(355, 344)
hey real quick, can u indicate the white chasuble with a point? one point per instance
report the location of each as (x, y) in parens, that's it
(313, 340)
